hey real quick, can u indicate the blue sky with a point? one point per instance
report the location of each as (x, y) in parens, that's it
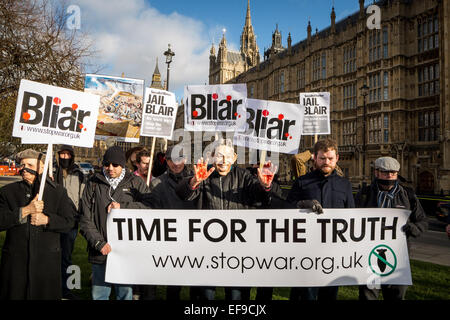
(130, 34)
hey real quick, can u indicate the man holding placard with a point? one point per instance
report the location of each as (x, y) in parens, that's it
(225, 186)
(386, 192)
(321, 188)
(31, 256)
(114, 188)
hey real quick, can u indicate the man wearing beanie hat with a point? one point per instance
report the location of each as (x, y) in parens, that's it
(69, 175)
(114, 188)
(386, 192)
(31, 260)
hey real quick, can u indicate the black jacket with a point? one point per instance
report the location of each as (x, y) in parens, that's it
(97, 196)
(31, 255)
(237, 190)
(163, 192)
(404, 198)
(332, 191)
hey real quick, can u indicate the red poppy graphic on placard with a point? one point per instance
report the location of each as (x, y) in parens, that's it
(286, 134)
(74, 106)
(215, 96)
(195, 114)
(229, 98)
(265, 113)
(56, 100)
(26, 116)
(280, 116)
(80, 126)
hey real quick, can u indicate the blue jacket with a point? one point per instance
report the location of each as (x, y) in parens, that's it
(332, 191)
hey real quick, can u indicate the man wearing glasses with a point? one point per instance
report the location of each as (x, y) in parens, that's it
(114, 188)
(386, 192)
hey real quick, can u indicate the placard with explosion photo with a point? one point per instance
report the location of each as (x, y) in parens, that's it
(120, 113)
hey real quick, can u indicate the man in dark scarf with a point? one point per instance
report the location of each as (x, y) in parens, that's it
(386, 192)
(69, 176)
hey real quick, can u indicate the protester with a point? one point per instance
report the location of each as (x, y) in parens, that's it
(143, 292)
(277, 201)
(30, 267)
(386, 192)
(224, 186)
(69, 175)
(142, 164)
(321, 188)
(131, 157)
(114, 188)
(163, 194)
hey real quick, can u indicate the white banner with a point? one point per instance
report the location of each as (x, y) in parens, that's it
(272, 126)
(159, 113)
(275, 248)
(317, 112)
(48, 114)
(215, 107)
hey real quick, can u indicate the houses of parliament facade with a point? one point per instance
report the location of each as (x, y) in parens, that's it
(405, 63)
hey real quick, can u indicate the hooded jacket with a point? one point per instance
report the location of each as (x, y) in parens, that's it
(97, 196)
(237, 190)
(73, 182)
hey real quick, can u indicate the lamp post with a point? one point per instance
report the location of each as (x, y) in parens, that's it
(364, 92)
(169, 54)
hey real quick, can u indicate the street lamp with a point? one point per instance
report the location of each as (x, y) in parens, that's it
(364, 92)
(169, 54)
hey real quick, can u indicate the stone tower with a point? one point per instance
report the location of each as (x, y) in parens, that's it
(229, 64)
(156, 78)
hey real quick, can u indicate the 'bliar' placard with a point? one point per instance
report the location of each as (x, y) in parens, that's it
(48, 114)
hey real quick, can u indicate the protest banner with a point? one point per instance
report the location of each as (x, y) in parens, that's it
(120, 109)
(48, 114)
(316, 106)
(215, 107)
(158, 118)
(256, 248)
(159, 113)
(271, 126)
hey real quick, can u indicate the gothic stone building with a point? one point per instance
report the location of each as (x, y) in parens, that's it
(406, 65)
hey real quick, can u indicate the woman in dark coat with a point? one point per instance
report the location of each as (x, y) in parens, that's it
(30, 266)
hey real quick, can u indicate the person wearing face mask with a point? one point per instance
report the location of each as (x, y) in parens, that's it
(223, 187)
(386, 192)
(321, 188)
(163, 194)
(114, 188)
(69, 175)
(30, 267)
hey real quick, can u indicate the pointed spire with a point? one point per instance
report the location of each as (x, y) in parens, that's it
(309, 30)
(333, 20)
(223, 42)
(156, 68)
(213, 50)
(248, 19)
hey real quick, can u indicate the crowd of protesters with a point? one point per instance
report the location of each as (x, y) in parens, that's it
(40, 234)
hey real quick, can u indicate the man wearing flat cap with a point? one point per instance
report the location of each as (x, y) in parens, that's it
(114, 188)
(386, 192)
(30, 266)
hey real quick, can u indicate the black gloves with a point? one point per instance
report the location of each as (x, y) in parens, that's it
(313, 205)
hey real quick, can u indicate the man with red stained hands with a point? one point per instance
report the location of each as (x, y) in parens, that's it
(225, 186)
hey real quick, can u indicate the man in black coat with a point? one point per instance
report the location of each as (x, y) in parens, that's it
(31, 257)
(68, 174)
(224, 187)
(386, 192)
(321, 188)
(116, 187)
